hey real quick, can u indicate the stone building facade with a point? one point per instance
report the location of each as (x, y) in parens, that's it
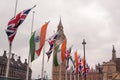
(108, 70)
(17, 70)
(111, 69)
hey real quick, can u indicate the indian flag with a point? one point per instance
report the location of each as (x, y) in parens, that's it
(37, 41)
(60, 53)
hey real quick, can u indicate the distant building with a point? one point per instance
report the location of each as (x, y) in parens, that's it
(111, 69)
(17, 70)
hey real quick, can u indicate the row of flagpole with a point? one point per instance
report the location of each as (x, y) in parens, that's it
(27, 73)
(78, 76)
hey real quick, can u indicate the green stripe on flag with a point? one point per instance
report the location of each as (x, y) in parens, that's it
(55, 57)
(32, 47)
(72, 61)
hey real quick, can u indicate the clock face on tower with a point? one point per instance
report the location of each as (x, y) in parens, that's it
(58, 42)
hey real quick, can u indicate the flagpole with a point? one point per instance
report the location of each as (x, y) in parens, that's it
(71, 73)
(74, 76)
(78, 76)
(43, 62)
(29, 58)
(15, 7)
(66, 72)
(53, 58)
(8, 62)
(84, 57)
(10, 46)
(60, 73)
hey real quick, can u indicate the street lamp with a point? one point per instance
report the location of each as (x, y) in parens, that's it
(84, 57)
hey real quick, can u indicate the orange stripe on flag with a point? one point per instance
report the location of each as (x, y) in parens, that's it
(83, 61)
(42, 37)
(63, 49)
(76, 61)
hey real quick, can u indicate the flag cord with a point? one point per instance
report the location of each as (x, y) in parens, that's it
(29, 58)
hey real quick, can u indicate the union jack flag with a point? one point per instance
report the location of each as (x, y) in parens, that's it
(51, 42)
(83, 70)
(67, 55)
(15, 22)
(80, 63)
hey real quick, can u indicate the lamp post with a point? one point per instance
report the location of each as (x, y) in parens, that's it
(84, 57)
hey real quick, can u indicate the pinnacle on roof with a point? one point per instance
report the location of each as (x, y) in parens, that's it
(60, 26)
(60, 23)
(113, 54)
(113, 49)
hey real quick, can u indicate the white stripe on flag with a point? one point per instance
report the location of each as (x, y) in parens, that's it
(37, 39)
(59, 57)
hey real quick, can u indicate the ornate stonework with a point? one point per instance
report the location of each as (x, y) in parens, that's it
(17, 68)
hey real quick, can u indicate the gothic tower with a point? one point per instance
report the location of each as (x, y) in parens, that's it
(56, 70)
(113, 54)
(111, 67)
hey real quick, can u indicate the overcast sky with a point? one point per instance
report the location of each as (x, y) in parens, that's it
(96, 21)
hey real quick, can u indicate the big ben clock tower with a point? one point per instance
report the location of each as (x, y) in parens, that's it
(59, 71)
